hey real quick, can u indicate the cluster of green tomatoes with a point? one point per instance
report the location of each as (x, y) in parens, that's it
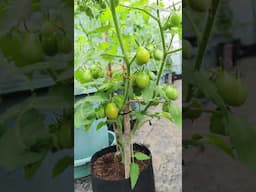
(88, 74)
(50, 41)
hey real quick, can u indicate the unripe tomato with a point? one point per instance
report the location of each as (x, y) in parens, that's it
(64, 44)
(83, 75)
(95, 71)
(142, 80)
(49, 44)
(158, 54)
(194, 110)
(186, 49)
(142, 56)
(155, 102)
(231, 89)
(31, 49)
(200, 5)
(47, 29)
(151, 75)
(176, 19)
(171, 92)
(111, 111)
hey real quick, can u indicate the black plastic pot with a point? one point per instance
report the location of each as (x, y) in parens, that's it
(145, 182)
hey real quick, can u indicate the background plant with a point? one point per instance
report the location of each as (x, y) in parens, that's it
(40, 124)
(224, 89)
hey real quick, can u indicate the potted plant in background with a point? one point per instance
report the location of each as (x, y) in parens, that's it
(128, 166)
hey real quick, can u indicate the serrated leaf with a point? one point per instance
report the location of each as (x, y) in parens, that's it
(134, 174)
(220, 143)
(61, 165)
(141, 156)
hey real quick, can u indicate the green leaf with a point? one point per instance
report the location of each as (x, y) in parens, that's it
(217, 123)
(141, 156)
(31, 169)
(220, 143)
(134, 174)
(61, 165)
(147, 93)
(100, 29)
(176, 114)
(100, 125)
(242, 134)
(31, 128)
(14, 154)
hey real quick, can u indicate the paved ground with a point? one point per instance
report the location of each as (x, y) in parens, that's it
(164, 141)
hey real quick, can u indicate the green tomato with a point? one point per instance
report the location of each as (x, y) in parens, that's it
(47, 29)
(151, 75)
(142, 56)
(171, 92)
(158, 54)
(64, 44)
(111, 111)
(194, 110)
(166, 106)
(31, 49)
(186, 49)
(176, 19)
(155, 102)
(200, 5)
(83, 75)
(49, 44)
(142, 80)
(232, 90)
(96, 71)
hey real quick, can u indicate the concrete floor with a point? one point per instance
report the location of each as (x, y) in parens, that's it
(164, 141)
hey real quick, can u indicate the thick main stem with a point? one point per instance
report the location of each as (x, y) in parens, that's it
(127, 142)
(127, 125)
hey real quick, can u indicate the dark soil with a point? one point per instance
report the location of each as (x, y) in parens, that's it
(110, 167)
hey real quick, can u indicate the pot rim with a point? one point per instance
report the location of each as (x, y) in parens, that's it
(104, 150)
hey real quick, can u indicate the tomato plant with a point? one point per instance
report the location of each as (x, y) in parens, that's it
(123, 41)
(224, 89)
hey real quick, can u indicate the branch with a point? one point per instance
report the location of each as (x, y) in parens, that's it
(140, 9)
(206, 34)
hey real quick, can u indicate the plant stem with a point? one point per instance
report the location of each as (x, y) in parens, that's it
(193, 25)
(206, 34)
(127, 142)
(125, 107)
(140, 9)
